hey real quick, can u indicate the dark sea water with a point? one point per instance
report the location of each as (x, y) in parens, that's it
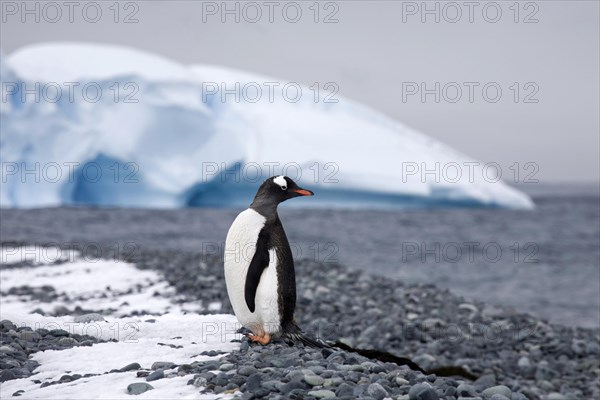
(545, 261)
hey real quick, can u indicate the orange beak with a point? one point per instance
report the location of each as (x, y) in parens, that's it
(303, 192)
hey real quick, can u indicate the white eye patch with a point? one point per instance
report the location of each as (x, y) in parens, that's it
(280, 180)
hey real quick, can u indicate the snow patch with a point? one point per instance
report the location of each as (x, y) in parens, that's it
(98, 284)
(173, 332)
(138, 341)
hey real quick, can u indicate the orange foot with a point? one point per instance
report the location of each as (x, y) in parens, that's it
(263, 339)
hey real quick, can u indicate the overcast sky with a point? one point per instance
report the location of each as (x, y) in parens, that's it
(379, 52)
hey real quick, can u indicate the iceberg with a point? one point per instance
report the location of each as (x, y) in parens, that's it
(91, 124)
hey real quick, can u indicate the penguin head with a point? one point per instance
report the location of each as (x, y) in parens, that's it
(275, 190)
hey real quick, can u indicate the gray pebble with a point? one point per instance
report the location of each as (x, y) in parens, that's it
(85, 318)
(401, 381)
(138, 388)
(484, 382)
(466, 390)
(7, 375)
(556, 396)
(131, 367)
(344, 389)
(58, 332)
(377, 391)
(253, 383)
(156, 375)
(422, 391)
(322, 394)
(500, 389)
(226, 367)
(247, 371)
(67, 341)
(200, 381)
(290, 386)
(162, 365)
(313, 380)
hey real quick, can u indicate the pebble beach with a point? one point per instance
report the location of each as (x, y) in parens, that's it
(512, 355)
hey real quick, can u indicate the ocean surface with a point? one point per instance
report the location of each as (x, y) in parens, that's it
(545, 262)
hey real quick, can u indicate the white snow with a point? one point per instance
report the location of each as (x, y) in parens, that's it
(35, 254)
(97, 284)
(137, 338)
(181, 134)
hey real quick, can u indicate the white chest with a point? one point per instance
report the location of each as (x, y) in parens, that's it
(240, 246)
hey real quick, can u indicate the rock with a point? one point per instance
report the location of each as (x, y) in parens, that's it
(465, 390)
(58, 332)
(377, 391)
(7, 325)
(578, 347)
(226, 367)
(450, 391)
(30, 336)
(200, 381)
(253, 383)
(162, 365)
(322, 394)
(344, 389)
(131, 367)
(422, 391)
(8, 364)
(7, 375)
(425, 360)
(67, 341)
(546, 385)
(31, 365)
(69, 378)
(138, 388)
(526, 369)
(272, 385)
(86, 318)
(499, 397)
(7, 349)
(156, 375)
(247, 371)
(468, 307)
(245, 346)
(557, 396)
(484, 382)
(290, 386)
(500, 389)
(544, 371)
(401, 381)
(524, 363)
(313, 380)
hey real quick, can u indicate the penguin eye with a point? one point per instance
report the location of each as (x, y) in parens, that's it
(284, 188)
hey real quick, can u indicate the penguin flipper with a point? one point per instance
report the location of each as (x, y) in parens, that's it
(259, 262)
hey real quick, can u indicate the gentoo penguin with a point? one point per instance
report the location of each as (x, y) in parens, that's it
(259, 269)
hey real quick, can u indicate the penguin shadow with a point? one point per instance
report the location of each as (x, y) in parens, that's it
(378, 355)
(384, 356)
